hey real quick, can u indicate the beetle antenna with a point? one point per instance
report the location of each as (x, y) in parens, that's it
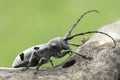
(71, 37)
(79, 19)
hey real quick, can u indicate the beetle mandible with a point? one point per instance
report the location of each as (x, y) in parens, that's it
(56, 47)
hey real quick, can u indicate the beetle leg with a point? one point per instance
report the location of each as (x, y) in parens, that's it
(73, 44)
(59, 54)
(83, 56)
(51, 62)
(30, 60)
(41, 61)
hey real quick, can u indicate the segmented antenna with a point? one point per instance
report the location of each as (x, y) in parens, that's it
(68, 35)
(79, 19)
(71, 37)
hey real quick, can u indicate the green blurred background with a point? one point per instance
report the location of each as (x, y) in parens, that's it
(25, 23)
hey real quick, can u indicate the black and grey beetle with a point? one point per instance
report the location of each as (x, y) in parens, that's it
(57, 47)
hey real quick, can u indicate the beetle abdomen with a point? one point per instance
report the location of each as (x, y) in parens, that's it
(24, 64)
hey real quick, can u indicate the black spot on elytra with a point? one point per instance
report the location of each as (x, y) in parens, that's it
(22, 56)
(36, 48)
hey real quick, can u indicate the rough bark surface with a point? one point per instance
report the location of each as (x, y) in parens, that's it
(105, 65)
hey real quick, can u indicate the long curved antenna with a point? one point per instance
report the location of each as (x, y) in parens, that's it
(71, 37)
(79, 19)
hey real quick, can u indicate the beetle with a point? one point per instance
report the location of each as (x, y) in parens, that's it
(57, 47)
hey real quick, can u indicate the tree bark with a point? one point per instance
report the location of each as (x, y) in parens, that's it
(105, 65)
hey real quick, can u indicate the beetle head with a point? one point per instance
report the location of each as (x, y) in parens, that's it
(58, 43)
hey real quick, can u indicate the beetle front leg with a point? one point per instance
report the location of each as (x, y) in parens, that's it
(77, 45)
(83, 56)
(61, 54)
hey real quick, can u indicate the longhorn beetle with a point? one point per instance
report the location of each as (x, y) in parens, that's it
(56, 47)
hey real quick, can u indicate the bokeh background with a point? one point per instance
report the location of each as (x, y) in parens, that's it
(25, 23)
